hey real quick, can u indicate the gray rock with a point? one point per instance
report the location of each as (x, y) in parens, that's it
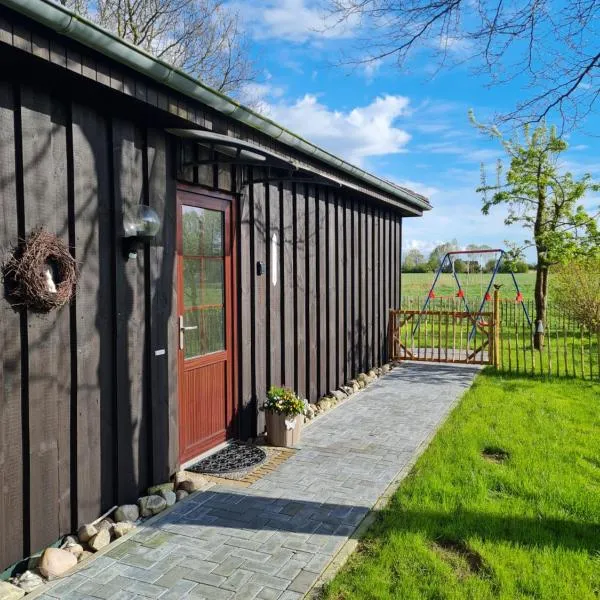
(151, 505)
(385, 368)
(123, 527)
(106, 523)
(69, 541)
(100, 540)
(187, 486)
(28, 581)
(361, 377)
(86, 532)
(347, 389)
(309, 412)
(339, 395)
(169, 496)
(180, 495)
(324, 404)
(155, 490)
(354, 385)
(8, 591)
(372, 374)
(75, 549)
(127, 512)
(34, 561)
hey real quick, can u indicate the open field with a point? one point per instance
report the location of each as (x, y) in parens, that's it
(504, 504)
(416, 285)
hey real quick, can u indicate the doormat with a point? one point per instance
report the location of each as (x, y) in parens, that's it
(234, 457)
(247, 476)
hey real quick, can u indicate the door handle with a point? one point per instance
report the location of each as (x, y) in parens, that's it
(182, 330)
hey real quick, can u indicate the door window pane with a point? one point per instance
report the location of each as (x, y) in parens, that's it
(202, 231)
(212, 281)
(208, 333)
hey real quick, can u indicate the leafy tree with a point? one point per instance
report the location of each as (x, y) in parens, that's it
(576, 289)
(551, 48)
(414, 261)
(545, 201)
(202, 37)
(437, 254)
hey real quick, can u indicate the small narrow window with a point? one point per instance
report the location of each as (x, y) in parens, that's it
(274, 259)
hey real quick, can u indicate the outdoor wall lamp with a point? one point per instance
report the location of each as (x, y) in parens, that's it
(139, 226)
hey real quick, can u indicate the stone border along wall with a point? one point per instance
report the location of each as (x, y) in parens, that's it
(334, 397)
(103, 534)
(98, 537)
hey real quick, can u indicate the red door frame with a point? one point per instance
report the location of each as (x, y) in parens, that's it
(199, 196)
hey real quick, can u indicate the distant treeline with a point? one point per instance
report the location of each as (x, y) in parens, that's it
(416, 262)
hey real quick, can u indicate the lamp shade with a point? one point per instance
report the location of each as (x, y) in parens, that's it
(144, 222)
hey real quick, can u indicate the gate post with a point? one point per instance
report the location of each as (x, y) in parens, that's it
(496, 330)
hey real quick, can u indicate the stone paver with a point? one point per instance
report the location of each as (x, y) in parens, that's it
(272, 540)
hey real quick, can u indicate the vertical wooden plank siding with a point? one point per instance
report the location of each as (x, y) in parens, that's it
(340, 289)
(88, 393)
(130, 352)
(311, 295)
(288, 285)
(370, 362)
(246, 330)
(260, 300)
(354, 311)
(12, 460)
(43, 122)
(94, 331)
(162, 300)
(322, 294)
(273, 270)
(331, 320)
(349, 257)
(301, 290)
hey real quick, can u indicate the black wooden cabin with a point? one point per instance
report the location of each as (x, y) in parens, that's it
(296, 255)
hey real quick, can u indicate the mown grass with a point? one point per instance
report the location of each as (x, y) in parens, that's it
(505, 503)
(418, 284)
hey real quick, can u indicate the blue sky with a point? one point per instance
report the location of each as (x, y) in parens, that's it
(408, 126)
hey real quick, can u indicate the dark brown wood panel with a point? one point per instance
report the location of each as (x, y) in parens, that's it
(312, 383)
(12, 540)
(273, 285)
(44, 125)
(162, 299)
(369, 358)
(331, 319)
(349, 255)
(288, 285)
(246, 330)
(301, 290)
(130, 351)
(322, 289)
(93, 327)
(259, 315)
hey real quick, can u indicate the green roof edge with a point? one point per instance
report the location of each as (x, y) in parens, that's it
(72, 25)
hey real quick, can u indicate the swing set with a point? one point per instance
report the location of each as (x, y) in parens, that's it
(448, 262)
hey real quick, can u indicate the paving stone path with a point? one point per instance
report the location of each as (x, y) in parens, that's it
(271, 541)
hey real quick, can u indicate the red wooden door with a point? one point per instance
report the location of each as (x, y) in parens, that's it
(206, 321)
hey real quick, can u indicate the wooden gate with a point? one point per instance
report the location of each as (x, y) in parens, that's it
(447, 336)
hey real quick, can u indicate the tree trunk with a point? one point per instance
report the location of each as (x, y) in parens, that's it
(541, 292)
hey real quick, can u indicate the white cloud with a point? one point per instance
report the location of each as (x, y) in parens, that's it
(356, 134)
(292, 20)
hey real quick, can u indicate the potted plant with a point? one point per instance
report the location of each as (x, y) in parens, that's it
(283, 410)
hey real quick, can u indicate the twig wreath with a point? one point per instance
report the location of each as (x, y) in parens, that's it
(41, 274)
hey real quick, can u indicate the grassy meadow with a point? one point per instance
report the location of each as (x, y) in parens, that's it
(416, 285)
(504, 504)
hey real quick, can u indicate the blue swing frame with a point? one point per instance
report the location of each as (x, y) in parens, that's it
(501, 254)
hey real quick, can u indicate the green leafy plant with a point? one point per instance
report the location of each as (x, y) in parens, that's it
(575, 288)
(283, 401)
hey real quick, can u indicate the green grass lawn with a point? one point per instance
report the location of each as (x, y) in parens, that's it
(416, 285)
(463, 525)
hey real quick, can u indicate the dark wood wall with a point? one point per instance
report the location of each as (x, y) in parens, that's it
(337, 257)
(87, 410)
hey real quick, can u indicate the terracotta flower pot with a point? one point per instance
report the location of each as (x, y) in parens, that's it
(283, 430)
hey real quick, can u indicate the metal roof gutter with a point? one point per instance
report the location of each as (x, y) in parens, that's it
(76, 27)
